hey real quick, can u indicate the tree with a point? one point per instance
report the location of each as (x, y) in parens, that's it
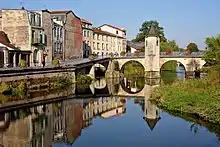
(145, 28)
(192, 47)
(169, 45)
(212, 54)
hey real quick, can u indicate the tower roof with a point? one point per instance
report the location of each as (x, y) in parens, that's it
(152, 32)
(151, 122)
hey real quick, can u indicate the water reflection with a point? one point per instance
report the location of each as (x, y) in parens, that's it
(97, 115)
(132, 85)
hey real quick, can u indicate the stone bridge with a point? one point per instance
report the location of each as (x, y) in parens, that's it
(152, 60)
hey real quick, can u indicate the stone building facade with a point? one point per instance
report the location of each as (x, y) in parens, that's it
(103, 40)
(87, 37)
(67, 24)
(105, 43)
(25, 30)
(121, 32)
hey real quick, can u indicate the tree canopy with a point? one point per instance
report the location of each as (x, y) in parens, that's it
(212, 54)
(169, 45)
(145, 28)
(192, 47)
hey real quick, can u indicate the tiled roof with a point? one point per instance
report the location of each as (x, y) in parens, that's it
(99, 31)
(4, 40)
(136, 45)
(60, 12)
(85, 21)
(113, 27)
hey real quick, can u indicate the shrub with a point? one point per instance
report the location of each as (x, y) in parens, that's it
(83, 79)
(22, 64)
(168, 52)
(4, 87)
(91, 57)
(111, 54)
(55, 61)
(122, 53)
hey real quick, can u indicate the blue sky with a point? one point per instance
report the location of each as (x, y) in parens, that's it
(184, 21)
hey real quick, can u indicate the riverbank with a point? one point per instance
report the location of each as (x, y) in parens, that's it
(200, 98)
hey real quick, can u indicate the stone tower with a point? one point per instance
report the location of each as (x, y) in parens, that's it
(152, 54)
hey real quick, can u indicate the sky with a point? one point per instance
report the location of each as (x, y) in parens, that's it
(183, 20)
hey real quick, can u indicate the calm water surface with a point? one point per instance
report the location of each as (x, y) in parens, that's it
(102, 115)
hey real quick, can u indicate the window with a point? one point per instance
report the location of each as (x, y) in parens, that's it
(88, 43)
(116, 31)
(61, 32)
(33, 35)
(103, 47)
(54, 31)
(93, 36)
(157, 42)
(94, 45)
(103, 38)
(58, 32)
(98, 47)
(98, 37)
(88, 34)
(84, 33)
(106, 46)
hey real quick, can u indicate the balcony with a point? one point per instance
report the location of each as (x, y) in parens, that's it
(39, 39)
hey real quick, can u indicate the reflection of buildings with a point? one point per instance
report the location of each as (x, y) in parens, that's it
(58, 122)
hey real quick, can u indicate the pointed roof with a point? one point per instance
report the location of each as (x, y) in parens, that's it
(152, 32)
(151, 122)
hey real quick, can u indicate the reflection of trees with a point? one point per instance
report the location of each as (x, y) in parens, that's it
(168, 77)
(133, 85)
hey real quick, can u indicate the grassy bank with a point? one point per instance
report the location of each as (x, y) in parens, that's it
(197, 97)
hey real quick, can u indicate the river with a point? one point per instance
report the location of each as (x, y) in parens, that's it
(97, 116)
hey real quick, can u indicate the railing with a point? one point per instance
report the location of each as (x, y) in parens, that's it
(164, 54)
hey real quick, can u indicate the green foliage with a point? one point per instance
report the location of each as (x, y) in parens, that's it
(145, 28)
(122, 53)
(128, 48)
(133, 68)
(111, 54)
(55, 61)
(212, 54)
(61, 82)
(4, 87)
(19, 89)
(199, 97)
(192, 47)
(22, 64)
(171, 45)
(91, 57)
(83, 79)
(169, 66)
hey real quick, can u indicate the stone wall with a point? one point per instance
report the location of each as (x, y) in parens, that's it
(37, 74)
(15, 24)
(78, 37)
(69, 37)
(47, 25)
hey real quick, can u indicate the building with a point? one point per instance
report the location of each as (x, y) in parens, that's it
(25, 30)
(103, 40)
(133, 47)
(11, 56)
(120, 32)
(87, 37)
(105, 43)
(67, 35)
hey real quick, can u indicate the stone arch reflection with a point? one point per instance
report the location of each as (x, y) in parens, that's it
(132, 85)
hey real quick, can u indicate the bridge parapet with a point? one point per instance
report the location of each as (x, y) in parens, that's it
(165, 55)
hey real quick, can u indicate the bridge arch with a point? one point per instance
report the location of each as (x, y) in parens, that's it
(122, 66)
(92, 71)
(178, 62)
